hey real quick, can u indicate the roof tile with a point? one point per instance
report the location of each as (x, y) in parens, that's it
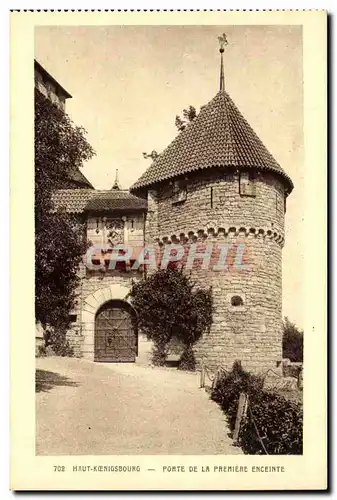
(88, 200)
(219, 136)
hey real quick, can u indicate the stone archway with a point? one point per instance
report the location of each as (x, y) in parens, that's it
(90, 306)
(116, 335)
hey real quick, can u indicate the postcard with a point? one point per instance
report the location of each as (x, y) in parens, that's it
(168, 250)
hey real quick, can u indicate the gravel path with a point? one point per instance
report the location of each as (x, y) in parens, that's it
(85, 408)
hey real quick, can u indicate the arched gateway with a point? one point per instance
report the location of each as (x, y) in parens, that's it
(116, 338)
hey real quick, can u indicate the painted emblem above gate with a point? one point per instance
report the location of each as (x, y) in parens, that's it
(115, 231)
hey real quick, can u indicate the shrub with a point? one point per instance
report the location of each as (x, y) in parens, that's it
(41, 351)
(168, 306)
(187, 360)
(229, 386)
(292, 343)
(159, 354)
(278, 421)
(57, 342)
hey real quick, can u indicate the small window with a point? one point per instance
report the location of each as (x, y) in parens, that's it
(247, 184)
(236, 301)
(72, 318)
(279, 203)
(228, 177)
(179, 192)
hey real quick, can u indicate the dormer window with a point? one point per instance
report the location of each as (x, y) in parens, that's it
(179, 192)
(247, 184)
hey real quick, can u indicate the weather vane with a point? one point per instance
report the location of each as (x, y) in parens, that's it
(222, 41)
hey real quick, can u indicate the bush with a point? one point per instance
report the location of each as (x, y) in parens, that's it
(168, 306)
(57, 342)
(159, 354)
(41, 351)
(292, 343)
(229, 386)
(187, 360)
(278, 421)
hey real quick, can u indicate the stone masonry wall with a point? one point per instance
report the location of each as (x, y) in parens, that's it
(251, 332)
(49, 89)
(95, 287)
(228, 208)
(92, 282)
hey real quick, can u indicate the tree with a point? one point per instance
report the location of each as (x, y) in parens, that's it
(181, 123)
(188, 116)
(168, 306)
(292, 341)
(60, 239)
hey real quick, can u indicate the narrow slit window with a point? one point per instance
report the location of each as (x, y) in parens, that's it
(211, 197)
(280, 204)
(247, 184)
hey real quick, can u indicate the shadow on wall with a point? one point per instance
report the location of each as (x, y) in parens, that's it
(45, 381)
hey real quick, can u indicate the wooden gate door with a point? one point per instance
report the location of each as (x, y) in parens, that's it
(115, 333)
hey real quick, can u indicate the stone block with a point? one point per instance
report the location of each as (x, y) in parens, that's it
(107, 294)
(88, 308)
(88, 317)
(91, 301)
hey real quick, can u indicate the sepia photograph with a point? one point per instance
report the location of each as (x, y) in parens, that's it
(160, 228)
(171, 331)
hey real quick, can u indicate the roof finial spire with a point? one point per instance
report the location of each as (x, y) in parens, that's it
(222, 41)
(116, 183)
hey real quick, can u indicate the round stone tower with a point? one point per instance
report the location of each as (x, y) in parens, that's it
(217, 192)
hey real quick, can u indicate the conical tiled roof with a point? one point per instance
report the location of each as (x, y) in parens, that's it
(219, 136)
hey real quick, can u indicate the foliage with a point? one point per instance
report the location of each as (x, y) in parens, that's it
(60, 241)
(168, 306)
(159, 354)
(280, 425)
(292, 341)
(187, 360)
(278, 421)
(181, 123)
(188, 116)
(229, 386)
(56, 341)
(41, 351)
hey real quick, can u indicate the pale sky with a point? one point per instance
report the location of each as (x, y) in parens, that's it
(129, 82)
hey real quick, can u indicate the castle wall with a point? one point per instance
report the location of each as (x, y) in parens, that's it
(131, 228)
(98, 284)
(97, 287)
(214, 199)
(251, 332)
(49, 89)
